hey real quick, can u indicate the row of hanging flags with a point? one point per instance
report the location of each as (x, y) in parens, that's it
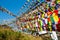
(43, 23)
(46, 18)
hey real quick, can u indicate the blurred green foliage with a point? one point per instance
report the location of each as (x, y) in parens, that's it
(7, 34)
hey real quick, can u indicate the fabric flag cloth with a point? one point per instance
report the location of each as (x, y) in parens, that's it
(56, 12)
(58, 26)
(40, 22)
(58, 1)
(52, 8)
(49, 24)
(36, 24)
(42, 1)
(43, 20)
(54, 35)
(28, 0)
(59, 21)
(32, 16)
(43, 15)
(53, 27)
(30, 24)
(39, 14)
(38, 0)
(56, 19)
(49, 13)
(27, 25)
(52, 20)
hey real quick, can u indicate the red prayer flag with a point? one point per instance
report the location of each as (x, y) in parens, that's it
(56, 12)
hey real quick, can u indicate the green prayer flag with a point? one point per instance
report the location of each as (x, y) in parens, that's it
(57, 1)
(51, 18)
(40, 22)
(28, 0)
(38, 0)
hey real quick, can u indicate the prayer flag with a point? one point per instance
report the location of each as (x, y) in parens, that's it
(52, 20)
(41, 24)
(55, 17)
(38, 0)
(58, 1)
(28, 0)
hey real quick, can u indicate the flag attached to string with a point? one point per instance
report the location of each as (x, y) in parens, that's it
(39, 14)
(32, 16)
(36, 23)
(28, 0)
(48, 29)
(49, 24)
(42, 14)
(30, 24)
(52, 20)
(42, 1)
(44, 21)
(56, 19)
(49, 13)
(44, 24)
(27, 25)
(58, 1)
(40, 22)
(38, 0)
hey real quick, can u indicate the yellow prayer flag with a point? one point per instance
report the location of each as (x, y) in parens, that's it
(58, 1)
(41, 23)
(55, 17)
(41, 29)
(27, 26)
(50, 25)
(50, 28)
(42, 15)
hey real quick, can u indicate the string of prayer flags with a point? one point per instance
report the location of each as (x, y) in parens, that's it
(38, 0)
(28, 0)
(47, 15)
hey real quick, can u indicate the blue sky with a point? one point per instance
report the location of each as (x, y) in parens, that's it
(11, 5)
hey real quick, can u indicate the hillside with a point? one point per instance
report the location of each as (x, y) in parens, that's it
(8, 34)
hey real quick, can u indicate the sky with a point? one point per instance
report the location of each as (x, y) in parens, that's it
(11, 5)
